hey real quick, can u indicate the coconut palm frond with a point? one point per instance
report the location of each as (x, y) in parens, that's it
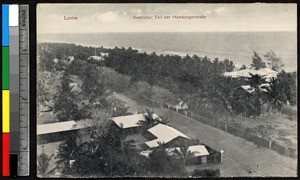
(177, 152)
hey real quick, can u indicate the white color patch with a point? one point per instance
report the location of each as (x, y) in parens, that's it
(14, 15)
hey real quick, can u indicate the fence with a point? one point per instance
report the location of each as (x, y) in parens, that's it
(281, 149)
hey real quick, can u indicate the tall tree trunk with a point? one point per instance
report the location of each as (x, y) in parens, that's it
(122, 144)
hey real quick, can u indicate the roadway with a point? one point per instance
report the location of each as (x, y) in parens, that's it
(240, 155)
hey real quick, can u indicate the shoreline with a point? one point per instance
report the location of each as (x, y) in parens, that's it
(164, 53)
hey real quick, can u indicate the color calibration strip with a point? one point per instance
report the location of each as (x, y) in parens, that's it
(24, 124)
(10, 53)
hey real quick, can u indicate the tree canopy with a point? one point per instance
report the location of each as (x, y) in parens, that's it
(274, 61)
(257, 62)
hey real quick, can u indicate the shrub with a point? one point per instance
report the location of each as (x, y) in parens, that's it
(161, 164)
(207, 173)
(47, 118)
(43, 164)
(115, 81)
(152, 95)
(161, 95)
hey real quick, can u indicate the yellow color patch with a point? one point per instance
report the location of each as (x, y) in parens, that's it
(5, 111)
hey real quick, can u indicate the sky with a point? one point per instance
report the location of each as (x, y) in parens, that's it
(102, 18)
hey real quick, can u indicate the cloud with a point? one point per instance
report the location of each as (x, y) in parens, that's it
(184, 12)
(207, 13)
(107, 17)
(222, 11)
(136, 11)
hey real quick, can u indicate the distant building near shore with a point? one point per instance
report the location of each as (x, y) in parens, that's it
(70, 59)
(104, 54)
(267, 72)
(96, 58)
(99, 58)
(246, 73)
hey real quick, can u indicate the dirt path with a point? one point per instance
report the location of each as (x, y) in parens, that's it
(239, 154)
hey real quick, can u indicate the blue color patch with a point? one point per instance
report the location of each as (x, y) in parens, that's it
(5, 25)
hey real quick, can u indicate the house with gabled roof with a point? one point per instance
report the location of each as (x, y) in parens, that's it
(53, 132)
(130, 124)
(164, 134)
(246, 73)
(200, 153)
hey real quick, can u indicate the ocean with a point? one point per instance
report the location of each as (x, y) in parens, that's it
(235, 46)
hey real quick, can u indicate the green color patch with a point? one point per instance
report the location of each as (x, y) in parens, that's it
(5, 68)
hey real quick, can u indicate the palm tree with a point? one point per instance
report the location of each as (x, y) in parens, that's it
(65, 106)
(184, 153)
(257, 62)
(90, 139)
(68, 150)
(161, 163)
(43, 164)
(276, 95)
(255, 82)
(214, 99)
(149, 119)
(86, 141)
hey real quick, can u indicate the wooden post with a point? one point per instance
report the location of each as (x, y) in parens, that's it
(222, 156)
(270, 144)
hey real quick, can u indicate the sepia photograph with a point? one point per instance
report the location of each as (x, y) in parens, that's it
(189, 90)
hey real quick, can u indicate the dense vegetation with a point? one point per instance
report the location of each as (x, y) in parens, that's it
(157, 79)
(200, 81)
(74, 88)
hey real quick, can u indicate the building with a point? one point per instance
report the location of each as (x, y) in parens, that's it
(250, 89)
(167, 135)
(200, 154)
(245, 73)
(54, 132)
(98, 58)
(130, 124)
(104, 54)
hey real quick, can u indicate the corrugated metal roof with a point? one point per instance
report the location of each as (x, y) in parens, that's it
(63, 126)
(98, 58)
(154, 143)
(121, 121)
(129, 121)
(55, 127)
(198, 150)
(250, 89)
(145, 153)
(164, 134)
(240, 73)
(246, 73)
